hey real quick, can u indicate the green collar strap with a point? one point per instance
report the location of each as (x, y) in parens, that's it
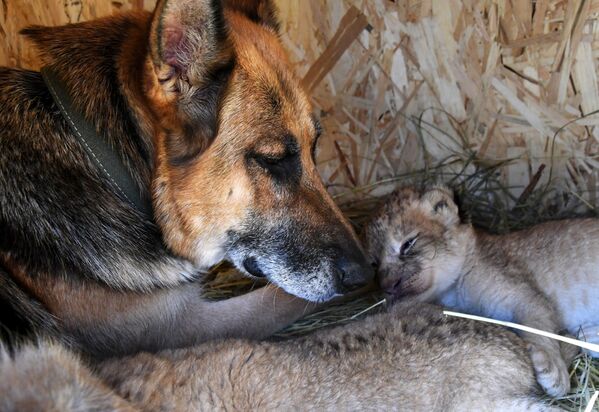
(99, 150)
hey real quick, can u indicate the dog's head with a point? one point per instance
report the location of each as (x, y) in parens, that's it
(235, 176)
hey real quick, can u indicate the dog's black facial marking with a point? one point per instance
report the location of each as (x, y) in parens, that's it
(284, 168)
(274, 100)
(318, 133)
(309, 260)
(256, 236)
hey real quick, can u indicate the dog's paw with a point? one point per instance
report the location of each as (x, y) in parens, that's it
(551, 370)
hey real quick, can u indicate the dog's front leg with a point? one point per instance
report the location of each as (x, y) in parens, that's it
(182, 317)
(106, 322)
(255, 315)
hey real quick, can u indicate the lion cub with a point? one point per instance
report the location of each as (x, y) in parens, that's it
(411, 358)
(546, 277)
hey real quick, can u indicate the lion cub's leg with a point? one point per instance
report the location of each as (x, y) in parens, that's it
(47, 377)
(506, 294)
(546, 354)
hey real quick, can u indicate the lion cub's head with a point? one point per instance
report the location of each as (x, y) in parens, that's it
(417, 242)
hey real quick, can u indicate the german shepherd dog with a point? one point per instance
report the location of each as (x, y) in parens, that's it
(199, 103)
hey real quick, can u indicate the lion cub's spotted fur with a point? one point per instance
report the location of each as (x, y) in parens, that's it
(411, 358)
(546, 277)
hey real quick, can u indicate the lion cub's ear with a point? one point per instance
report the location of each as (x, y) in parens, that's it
(440, 204)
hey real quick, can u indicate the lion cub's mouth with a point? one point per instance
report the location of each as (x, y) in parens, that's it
(403, 287)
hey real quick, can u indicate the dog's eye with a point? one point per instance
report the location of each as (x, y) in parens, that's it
(269, 161)
(284, 165)
(406, 247)
(283, 169)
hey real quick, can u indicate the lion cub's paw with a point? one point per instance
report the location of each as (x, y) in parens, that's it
(552, 371)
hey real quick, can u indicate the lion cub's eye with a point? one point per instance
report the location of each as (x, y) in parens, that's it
(406, 247)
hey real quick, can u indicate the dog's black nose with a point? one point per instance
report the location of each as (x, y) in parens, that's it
(354, 273)
(251, 266)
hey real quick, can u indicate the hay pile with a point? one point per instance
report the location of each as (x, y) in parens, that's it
(514, 81)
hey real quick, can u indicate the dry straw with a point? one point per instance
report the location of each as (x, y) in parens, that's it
(513, 81)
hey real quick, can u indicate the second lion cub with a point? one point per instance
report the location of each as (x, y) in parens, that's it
(546, 277)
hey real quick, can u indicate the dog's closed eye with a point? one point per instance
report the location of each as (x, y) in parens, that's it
(282, 168)
(281, 162)
(272, 162)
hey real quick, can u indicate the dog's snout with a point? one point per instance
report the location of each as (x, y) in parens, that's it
(354, 272)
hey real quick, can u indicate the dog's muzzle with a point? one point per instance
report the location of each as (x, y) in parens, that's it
(353, 273)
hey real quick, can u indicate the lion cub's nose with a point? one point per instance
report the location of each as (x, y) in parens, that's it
(353, 273)
(391, 286)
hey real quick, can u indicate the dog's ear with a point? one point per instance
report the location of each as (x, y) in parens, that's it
(192, 57)
(260, 11)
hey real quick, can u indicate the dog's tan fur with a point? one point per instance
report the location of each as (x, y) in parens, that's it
(545, 277)
(189, 212)
(412, 358)
(195, 217)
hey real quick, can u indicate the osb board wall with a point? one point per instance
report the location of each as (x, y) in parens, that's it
(17, 14)
(405, 84)
(468, 81)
